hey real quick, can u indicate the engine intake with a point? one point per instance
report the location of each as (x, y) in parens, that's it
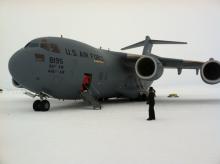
(210, 72)
(148, 68)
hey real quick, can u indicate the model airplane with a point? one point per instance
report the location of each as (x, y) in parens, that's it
(67, 69)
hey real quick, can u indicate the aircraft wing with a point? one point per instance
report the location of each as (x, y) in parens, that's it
(150, 67)
(172, 63)
(179, 63)
(166, 62)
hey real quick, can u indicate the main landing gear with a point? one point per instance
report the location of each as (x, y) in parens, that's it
(41, 105)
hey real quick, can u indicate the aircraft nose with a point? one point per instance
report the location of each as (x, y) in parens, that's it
(11, 64)
(14, 63)
(18, 66)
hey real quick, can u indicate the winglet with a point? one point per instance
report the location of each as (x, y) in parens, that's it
(148, 44)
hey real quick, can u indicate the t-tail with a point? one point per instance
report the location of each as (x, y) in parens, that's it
(148, 44)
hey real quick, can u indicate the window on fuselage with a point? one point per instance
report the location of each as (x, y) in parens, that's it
(50, 47)
(54, 48)
(32, 45)
(45, 45)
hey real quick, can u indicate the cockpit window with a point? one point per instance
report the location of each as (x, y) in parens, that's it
(49, 46)
(31, 44)
(45, 45)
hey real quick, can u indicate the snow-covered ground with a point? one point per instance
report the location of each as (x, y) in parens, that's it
(187, 131)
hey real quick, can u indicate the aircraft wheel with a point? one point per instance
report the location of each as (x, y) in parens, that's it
(45, 105)
(41, 105)
(37, 105)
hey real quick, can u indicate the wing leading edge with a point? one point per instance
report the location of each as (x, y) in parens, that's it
(150, 67)
(181, 64)
(171, 63)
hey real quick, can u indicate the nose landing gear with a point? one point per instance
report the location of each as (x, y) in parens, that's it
(41, 105)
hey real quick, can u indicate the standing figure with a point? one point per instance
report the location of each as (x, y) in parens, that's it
(151, 103)
(85, 83)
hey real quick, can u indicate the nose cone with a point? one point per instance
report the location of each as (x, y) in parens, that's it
(12, 64)
(19, 66)
(15, 63)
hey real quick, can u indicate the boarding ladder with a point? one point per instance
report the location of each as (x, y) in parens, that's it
(86, 96)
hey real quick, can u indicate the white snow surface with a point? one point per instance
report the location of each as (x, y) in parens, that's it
(187, 131)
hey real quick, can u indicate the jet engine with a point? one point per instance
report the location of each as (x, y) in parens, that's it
(16, 84)
(149, 68)
(210, 72)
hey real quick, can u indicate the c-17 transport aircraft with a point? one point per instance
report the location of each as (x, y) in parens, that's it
(68, 69)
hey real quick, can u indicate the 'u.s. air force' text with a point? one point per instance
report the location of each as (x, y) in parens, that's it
(96, 58)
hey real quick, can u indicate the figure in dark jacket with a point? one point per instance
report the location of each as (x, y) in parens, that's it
(151, 103)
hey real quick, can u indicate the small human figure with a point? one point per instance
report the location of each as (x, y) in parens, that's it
(151, 103)
(85, 84)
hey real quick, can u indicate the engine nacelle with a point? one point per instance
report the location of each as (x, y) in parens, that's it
(16, 84)
(210, 72)
(149, 68)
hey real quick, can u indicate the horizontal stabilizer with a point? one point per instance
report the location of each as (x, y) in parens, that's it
(142, 43)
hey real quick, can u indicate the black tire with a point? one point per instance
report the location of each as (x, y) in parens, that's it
(37, 105)
(45, 105)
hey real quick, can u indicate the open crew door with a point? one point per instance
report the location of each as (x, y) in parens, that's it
(86, 82)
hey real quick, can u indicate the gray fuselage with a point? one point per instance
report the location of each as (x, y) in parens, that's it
(56, 66)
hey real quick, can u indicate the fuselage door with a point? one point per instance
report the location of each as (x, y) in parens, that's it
(86, 82)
